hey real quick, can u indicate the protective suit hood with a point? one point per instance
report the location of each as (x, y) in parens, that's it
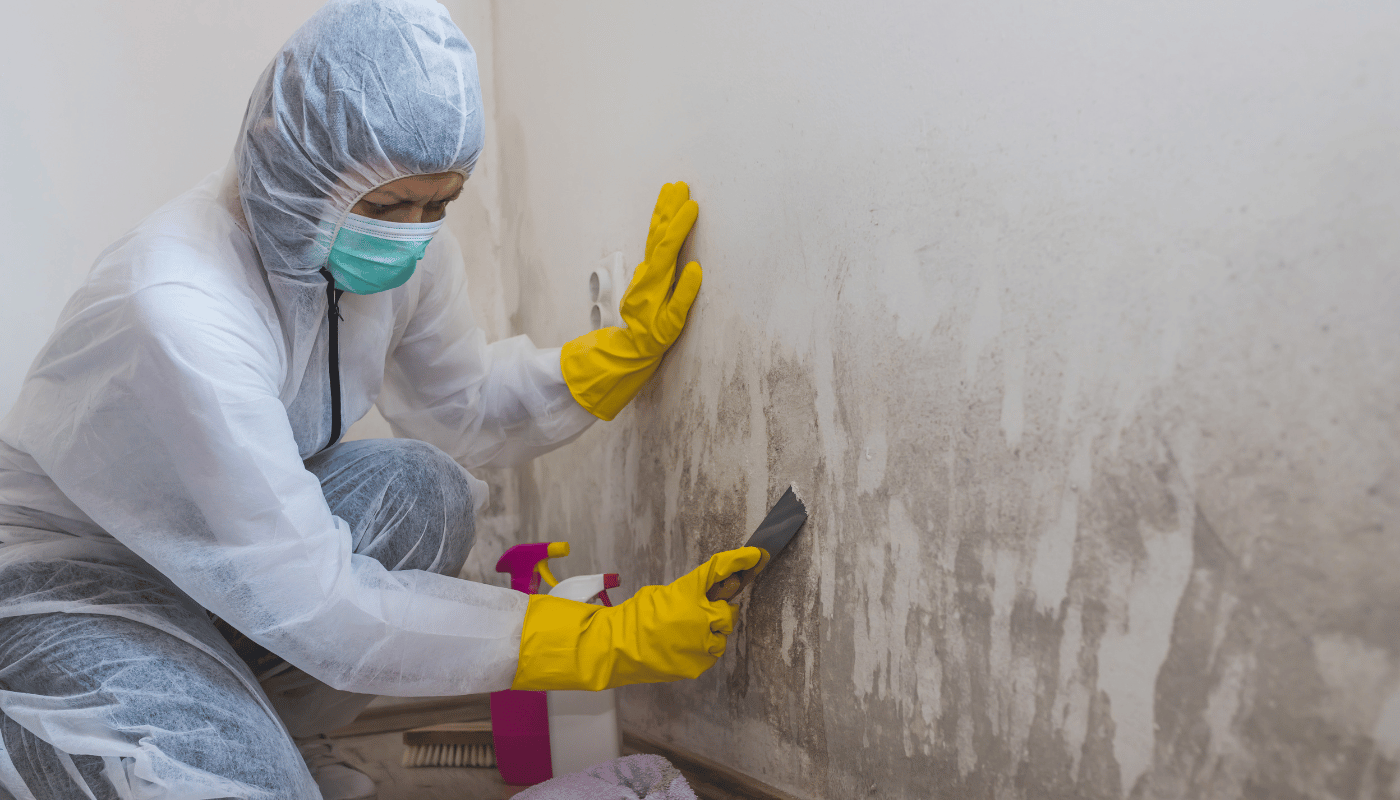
(364, 93)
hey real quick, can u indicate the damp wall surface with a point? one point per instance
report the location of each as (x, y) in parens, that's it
(1076, 327)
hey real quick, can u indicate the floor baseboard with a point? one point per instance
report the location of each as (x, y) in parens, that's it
(710, 779)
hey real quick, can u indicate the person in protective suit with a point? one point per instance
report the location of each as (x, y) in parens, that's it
(198, 578)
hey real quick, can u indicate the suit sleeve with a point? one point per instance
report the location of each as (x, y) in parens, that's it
(494, 404)
(185, 455)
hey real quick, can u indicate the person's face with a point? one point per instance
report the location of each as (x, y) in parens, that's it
(417, 198)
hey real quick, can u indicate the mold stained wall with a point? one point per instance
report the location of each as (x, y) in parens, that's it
(1075, 325)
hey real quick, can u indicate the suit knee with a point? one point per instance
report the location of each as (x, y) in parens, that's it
(409, 504)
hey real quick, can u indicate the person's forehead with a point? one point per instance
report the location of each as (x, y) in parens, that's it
(416, 187)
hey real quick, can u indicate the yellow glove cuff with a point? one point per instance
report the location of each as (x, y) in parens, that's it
(550, 652)
(604, 371)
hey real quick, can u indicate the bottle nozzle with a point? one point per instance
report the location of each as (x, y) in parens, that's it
(611, 580)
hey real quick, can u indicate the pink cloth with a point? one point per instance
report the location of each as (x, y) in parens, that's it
(627, 778)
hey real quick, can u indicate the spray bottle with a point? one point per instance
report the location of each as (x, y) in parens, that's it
(520, 720)
(583, 725)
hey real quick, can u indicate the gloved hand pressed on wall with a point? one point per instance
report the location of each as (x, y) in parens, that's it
(662, 633)
(606, 368)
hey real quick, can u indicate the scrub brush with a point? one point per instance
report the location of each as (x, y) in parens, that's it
(455, 744)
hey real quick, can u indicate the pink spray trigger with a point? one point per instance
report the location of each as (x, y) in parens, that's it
(529, 563)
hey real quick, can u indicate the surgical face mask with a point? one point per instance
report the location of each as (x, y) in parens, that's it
(371, 255)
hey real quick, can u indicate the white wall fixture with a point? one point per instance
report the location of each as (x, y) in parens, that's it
(606, 284)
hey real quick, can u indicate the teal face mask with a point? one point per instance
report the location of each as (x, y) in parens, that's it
(371, 255)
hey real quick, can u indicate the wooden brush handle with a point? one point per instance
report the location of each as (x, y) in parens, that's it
(730, 587)
(726, 589)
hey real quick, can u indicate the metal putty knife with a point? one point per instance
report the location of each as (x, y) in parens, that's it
(773, 534)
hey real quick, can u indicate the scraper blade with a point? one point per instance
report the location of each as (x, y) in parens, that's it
(773, 534)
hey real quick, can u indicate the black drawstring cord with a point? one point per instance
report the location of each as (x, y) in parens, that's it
(333, 315)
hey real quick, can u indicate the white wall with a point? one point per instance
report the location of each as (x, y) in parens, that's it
(107, 110)
(1076, 325)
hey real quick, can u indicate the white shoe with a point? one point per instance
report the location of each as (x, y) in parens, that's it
(336, 779)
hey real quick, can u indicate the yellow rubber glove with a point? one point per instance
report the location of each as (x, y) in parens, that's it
(606, 368)
(662, 633)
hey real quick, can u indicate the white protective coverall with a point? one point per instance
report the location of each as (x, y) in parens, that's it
(162, 429)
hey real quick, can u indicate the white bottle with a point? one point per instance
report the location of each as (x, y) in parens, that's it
(583, 728)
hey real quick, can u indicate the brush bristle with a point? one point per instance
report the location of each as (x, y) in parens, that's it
(449, 755)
